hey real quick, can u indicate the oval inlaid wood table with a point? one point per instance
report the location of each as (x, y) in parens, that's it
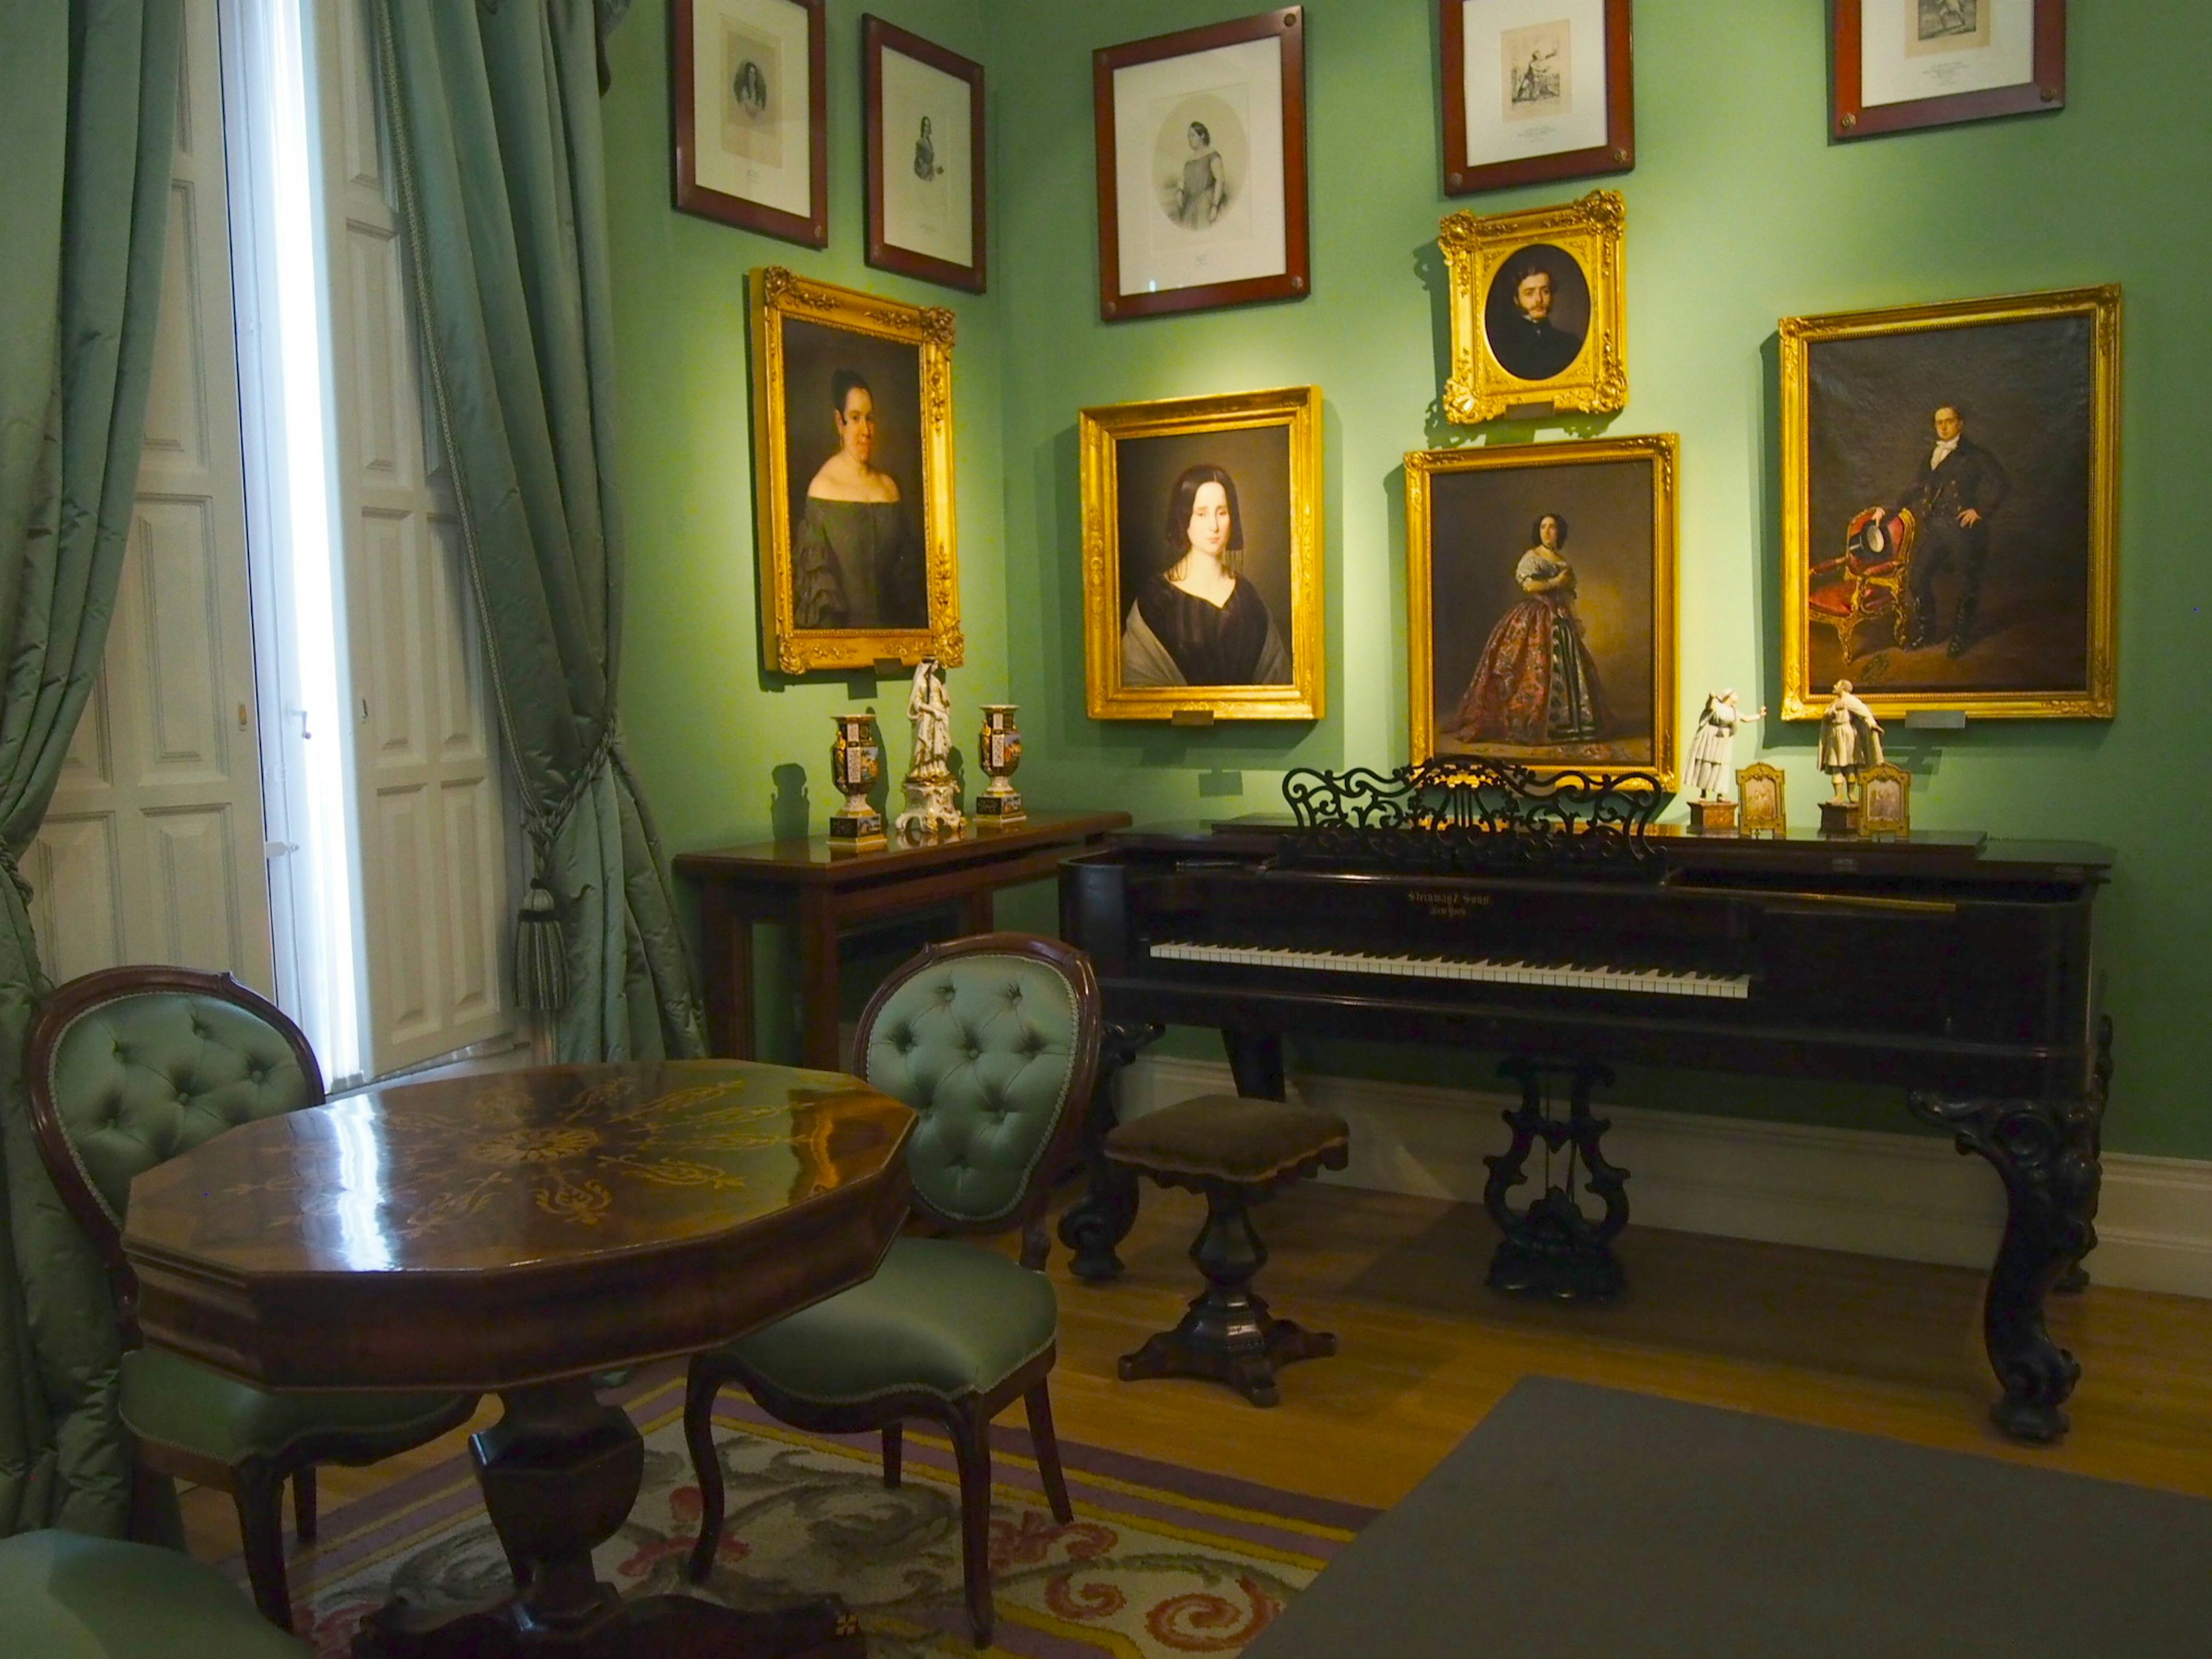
(514, 1233)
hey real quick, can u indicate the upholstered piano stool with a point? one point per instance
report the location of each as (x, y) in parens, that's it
(1237, 1152)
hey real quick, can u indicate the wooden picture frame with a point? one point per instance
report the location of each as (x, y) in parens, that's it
(1977, 575)
(925, 150)
(1201, 142)
(853, 499)
(1568, 112)
(1900, 65)
(742, 171)
(1539, 309)
(1149, 466)
(1484, 610)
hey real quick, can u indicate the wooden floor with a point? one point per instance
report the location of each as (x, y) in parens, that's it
(1851, 1342)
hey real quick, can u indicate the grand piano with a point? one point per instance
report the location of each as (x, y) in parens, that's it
(1552, 921)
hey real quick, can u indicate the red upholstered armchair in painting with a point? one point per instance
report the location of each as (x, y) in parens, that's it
(1870, 582)
(127, 1068)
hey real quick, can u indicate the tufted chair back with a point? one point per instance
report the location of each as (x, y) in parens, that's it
(128, 1067)
(993, 1040)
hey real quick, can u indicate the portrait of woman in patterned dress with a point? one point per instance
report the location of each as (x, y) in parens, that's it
(1537, 682)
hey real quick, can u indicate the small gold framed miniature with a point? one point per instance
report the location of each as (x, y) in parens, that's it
(1758, 786)
(1885, 800)
(1202, 558)
(853, 478)
(1538, 310)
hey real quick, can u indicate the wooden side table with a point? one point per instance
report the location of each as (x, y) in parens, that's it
(821, 893)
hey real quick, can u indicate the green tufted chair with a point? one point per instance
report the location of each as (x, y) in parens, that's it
(993, 1040)
(125, 1069)
(68, 1597)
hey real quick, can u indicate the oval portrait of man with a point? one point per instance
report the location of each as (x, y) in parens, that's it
(1537, 312)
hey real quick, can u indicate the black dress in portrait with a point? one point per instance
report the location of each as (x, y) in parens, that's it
(1232, 644)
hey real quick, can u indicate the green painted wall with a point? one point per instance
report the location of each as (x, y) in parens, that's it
(1740, 212)
(708, 727)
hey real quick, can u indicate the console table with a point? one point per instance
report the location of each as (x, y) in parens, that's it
(821, 892)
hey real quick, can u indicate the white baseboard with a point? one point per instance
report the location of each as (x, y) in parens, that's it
(1911, 1197)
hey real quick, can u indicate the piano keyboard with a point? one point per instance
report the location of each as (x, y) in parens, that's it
(1566, 977)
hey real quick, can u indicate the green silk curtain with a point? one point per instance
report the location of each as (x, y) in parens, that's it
(494, 112)
(87, 134)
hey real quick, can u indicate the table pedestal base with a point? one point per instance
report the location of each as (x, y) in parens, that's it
(559, 1472)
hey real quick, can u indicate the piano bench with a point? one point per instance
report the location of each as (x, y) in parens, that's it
(1236, 1151)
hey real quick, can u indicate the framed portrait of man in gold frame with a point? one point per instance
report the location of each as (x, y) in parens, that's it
(1202, 558)
(1538, 310)
(851, 478)
(1950, 506)
(1539, 604)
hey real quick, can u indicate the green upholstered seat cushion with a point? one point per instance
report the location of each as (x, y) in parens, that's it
(1230, 1137)
(146, 1077)
(175, 1401)
(940, 1316)
(983, 1047)
(64, 1596)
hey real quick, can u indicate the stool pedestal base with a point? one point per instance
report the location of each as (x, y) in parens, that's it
(1228, 1336)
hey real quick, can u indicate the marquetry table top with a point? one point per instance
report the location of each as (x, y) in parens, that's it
(451, 1232)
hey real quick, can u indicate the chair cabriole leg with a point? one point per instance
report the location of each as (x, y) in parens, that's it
(971, 1449)
(1046, 1444)
(259, 1499)
(303, 1503)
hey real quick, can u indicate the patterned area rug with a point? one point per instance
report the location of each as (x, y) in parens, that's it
(1159, 1561)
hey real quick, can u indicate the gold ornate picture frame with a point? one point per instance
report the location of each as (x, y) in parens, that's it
(1885, 800)
(1950, 486)
(1539, 604)
(853, 478)
(1539, 315)
(1762, 795)
(1202, 558)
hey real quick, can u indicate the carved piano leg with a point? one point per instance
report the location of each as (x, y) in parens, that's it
(2075, 1279)
(1550, 1248)
(2046, 1154)
(1256, 1061)
(1103, 1218)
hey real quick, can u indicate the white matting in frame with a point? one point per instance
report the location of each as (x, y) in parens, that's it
(1535, 76)
(1915, 49)
(751, 101)
(1233, 95)
(928, 160)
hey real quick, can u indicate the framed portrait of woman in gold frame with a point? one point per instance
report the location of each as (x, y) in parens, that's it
(1539, 604)
(851, 478)
(1538, 317)
(1202, 558)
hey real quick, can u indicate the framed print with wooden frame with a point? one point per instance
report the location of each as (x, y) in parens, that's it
(851, 478)
(1539, 316)
(1202, 558)
(925, 150)
(1535, 91)
(1202, 167)
(1539, 604)
(750, 83)
(1901, 64)
(1950, 506)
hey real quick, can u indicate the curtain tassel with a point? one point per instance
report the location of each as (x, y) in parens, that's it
(541, 954)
